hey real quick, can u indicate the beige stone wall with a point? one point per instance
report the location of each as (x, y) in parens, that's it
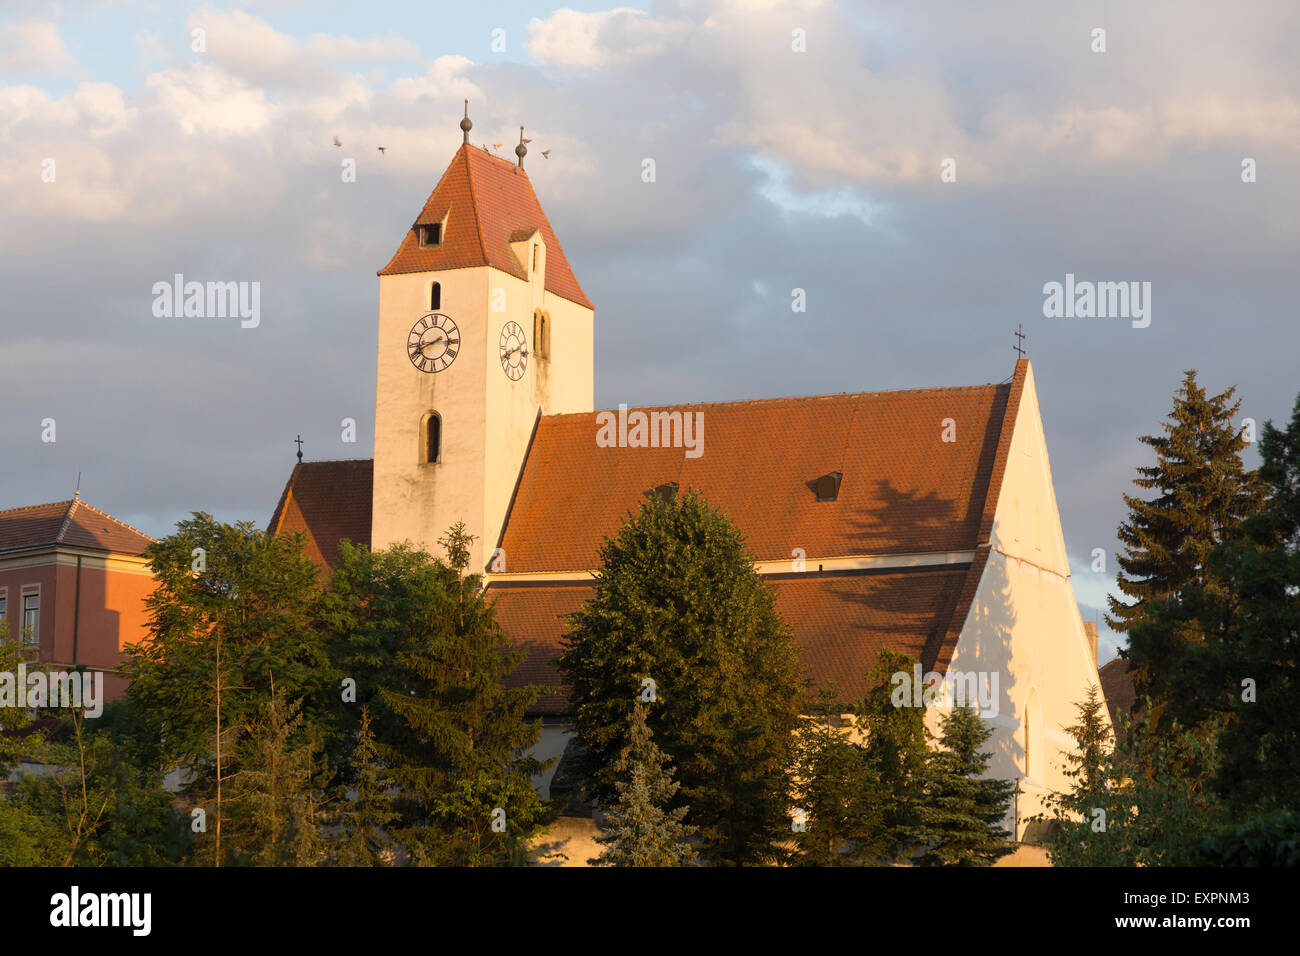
(487, 419)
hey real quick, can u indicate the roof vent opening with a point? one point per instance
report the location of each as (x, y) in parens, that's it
(828, 486)
(665, 492)
(430, 237)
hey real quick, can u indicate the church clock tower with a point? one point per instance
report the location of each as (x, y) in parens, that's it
(482, 328)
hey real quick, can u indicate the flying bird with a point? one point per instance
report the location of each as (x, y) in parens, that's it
(336, 141)
(525, 141)
(546, 154)
(381, 149)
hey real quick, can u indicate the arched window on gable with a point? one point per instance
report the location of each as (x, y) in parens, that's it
(431, 439)
(435, 297)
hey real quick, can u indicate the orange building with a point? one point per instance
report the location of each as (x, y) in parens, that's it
(73, 582)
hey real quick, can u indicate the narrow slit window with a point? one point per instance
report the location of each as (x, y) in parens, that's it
(433, 439)
(435, 297)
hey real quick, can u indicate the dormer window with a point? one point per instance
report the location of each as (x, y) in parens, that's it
(665, 492)
(828, 486)
(430, 237)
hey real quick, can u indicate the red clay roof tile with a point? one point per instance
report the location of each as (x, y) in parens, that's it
(327, 501)
(904, 489)
(841, 622)
(73, 523)
(487, 202)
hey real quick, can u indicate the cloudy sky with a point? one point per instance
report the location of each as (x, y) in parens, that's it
(126, 156)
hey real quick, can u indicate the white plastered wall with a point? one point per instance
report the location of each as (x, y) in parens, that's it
(1024, 623)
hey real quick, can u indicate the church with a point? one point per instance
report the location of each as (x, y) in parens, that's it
(923, 521)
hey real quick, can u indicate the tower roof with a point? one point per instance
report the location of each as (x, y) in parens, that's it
(486, 201)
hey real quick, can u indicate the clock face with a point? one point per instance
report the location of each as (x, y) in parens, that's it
(514, 351)
(433, 343)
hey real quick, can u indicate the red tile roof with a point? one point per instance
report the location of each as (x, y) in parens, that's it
(841, 622)
(72, 523)
(904, 489)
(488, 202)
(327, 501)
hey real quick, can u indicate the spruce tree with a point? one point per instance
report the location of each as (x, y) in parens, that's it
(1201, 493)
(680, 615)
(897, 745)
(1256, 659)
(277, 791)
(364, 814)
(640, 830)
(836, 798)
(961, 814)
(467, 796)
(1087, 822)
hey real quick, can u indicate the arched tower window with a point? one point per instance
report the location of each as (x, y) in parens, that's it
(435, 297)
(431, 439)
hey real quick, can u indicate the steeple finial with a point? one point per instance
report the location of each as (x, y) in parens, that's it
(521, 150)
(465, 124)
(298, 442)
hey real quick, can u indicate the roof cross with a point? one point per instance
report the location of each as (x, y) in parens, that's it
(1020, 341)
(298, 441)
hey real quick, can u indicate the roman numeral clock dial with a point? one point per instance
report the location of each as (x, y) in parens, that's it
(433, 343)
(514, 351)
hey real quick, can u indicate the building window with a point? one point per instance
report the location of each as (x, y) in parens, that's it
(435, 297)
(828, 486)
(541, 333)
(31, 618)
(4, 620)
(432, 438)
(429, 236)
(535, 247)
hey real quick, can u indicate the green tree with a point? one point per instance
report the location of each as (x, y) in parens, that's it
(680, 615)
(363, 817)
(232, 607)
(1202, 491)
(1085, 822)
(837, 809)
(640, 829)
(467, 792)
(960, 813)
(1258, 647)
(898, 745)
(278, 790)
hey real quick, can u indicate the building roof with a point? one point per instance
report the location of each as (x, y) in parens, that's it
(1117, 687)
(841, 622)
(904, 489)
(73, 524)
(487, 203)
(327, 501)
